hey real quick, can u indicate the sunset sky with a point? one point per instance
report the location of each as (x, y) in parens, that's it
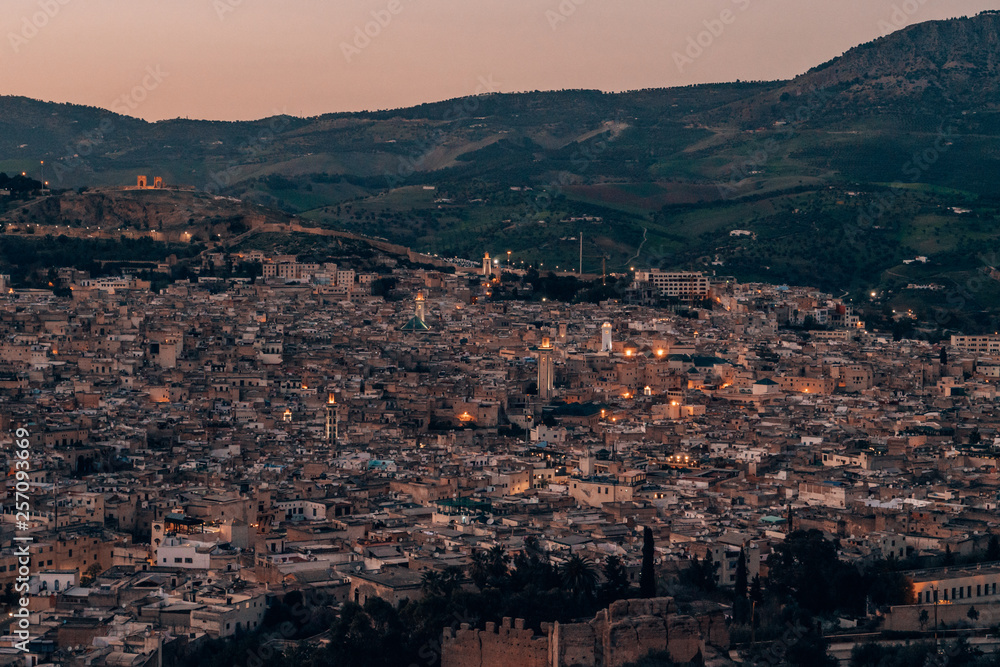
(242, 59)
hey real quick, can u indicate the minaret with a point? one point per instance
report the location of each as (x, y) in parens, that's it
(606, 337)
(545, 389)
(332, 419)
(487, 266)
(420, 307)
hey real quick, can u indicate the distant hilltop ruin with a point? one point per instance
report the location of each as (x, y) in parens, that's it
(142, 183)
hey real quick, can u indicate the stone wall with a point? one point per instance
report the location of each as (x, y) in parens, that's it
(622, 633)
(510, 644)
(906, 618)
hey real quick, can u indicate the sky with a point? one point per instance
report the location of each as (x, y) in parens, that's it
(246, 59)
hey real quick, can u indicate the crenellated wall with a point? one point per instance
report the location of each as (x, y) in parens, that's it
(622, 633)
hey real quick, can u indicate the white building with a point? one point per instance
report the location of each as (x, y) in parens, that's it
(182, 552)
(982, 345)
(675, 283)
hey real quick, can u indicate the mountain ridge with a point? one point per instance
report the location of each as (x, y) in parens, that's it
(652, 177)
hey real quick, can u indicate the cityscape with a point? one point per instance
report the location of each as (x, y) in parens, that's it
(681, 375)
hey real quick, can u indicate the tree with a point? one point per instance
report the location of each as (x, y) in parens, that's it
(578, 576)
(993, 548)
(973, 614)
(497, 560)
(944, 355)
(647, 578)
(430, 582)
(479, 571)
(949, 558)
(369, 635)
(803, 567)
(756, 594)
(707, 575)
(740, 584)
(888, 587)
(809, 651)
(616, 579)
(442, 583)
(923, 618)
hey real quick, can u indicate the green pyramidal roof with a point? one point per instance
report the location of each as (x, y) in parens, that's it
(415, 324)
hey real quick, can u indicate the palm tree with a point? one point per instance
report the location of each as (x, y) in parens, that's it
(490, 567)
(480, 569)
(497, 559)
(579, 577)
(451, 580)
(430, 582)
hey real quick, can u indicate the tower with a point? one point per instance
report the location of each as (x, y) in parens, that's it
(606, 337)
(487, 266)
(332, 419)
(545, 389)
(420, 312)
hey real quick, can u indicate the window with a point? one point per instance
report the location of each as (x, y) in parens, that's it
(177, 560)
(188, 560)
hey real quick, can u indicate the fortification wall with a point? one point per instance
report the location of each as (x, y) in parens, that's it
(623, 633)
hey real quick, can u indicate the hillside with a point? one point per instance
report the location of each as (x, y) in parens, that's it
(863, 160)
(175, 215)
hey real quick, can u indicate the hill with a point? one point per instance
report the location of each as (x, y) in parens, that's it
(884, 154)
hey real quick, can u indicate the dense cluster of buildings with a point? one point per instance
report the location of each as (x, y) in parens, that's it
(199, 451)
